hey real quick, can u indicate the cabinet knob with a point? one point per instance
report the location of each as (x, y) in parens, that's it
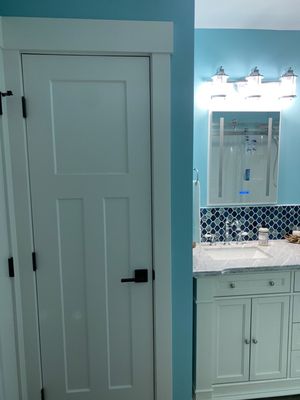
(247, 341)
(255, 341)
(272, 283)
(232, 285)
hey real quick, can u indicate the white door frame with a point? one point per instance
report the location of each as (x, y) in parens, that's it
(70, 36)
(9, 383)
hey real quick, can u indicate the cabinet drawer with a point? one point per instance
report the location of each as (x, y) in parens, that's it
(296, 309)
(295, 364)
(296, 337)
(259, 283)
(297, 281)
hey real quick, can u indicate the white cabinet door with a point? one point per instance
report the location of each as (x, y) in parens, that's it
(88, 134)
(269, 334)
(232, 340)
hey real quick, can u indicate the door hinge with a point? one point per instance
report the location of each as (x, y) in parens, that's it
(42, 394)
(153, 274)
(34, 264)
(24, 108)
(4, 94)
(11, 267)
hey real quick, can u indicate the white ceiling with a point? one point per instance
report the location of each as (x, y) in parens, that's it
(248, 14)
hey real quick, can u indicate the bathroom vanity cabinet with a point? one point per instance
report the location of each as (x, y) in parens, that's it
(247, 335)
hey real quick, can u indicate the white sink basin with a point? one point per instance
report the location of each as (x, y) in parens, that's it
(236, 253)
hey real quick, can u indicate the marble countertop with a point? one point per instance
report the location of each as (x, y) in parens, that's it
(280, 254)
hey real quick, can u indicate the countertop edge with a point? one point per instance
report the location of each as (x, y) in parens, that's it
(238, 270)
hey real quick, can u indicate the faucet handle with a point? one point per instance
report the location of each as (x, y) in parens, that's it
(242, 235)
(210, 237)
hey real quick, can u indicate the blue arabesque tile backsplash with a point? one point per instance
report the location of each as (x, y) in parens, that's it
(279, 219)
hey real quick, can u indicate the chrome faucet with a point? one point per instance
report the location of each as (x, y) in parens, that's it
(240, 235)
(227, 230)
(238, 228)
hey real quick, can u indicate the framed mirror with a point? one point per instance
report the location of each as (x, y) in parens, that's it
(243, 157)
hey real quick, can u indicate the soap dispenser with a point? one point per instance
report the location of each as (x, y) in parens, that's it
(263, 236)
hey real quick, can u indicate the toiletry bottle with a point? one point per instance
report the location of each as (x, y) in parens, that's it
(296, 231)
(263, 236)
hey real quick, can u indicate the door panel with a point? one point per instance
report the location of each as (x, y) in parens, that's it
(72, 274)
(88, 133)
(269, 338)
(76, 153)
(119, 310)
(232, 346)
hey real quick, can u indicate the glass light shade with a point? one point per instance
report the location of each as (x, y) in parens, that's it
(288, 84)
(219, 83)
(254, 83)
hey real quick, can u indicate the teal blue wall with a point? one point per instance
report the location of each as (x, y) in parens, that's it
(182, 14)
(239, 51)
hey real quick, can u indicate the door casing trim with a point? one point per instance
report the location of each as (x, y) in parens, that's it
(74, 36)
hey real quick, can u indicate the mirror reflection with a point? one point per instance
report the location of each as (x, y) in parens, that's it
(243, 157)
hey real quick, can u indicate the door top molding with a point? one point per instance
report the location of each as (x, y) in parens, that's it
(83, 35)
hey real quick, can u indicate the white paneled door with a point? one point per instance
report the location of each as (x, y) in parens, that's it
(88, 137)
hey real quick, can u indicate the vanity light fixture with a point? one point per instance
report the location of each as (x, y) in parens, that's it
(251, 92)
(288, 84)
(219, 83)
(253, 86)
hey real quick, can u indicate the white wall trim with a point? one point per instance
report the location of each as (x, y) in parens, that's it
(9, 379)
(161, 203)
(44, 34)
(1, 33)
(21, 35)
